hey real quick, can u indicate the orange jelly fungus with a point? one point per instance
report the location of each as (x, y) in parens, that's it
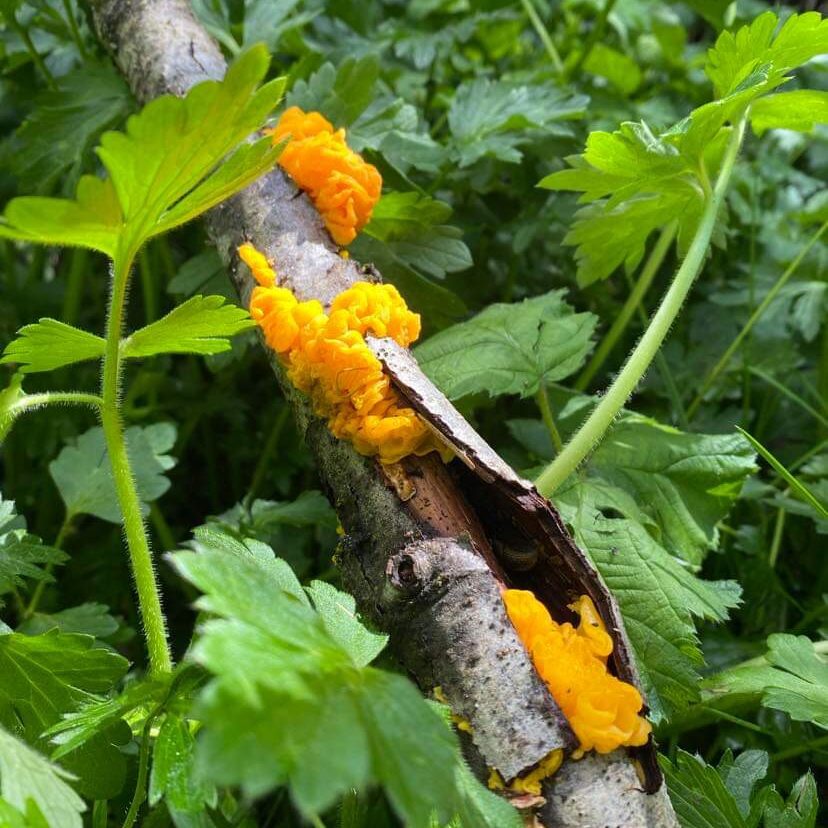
(602, 710)
(328, 359)
(343, 187)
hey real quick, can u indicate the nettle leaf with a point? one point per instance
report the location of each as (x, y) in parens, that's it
(685, 483)
(202, 325)
(93, 219)
(36, 787)
(45, 676)
(293, 702)
(340, 93)
(412, 228)
(22, 555)
(496, 118)
(800, 110)
(794, 680)
(509, 349)
(83, 475)
(65, 121)
(49, 344)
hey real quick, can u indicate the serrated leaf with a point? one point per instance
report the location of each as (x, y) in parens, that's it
(26, 777)
(800, 811)
(496, 118)
(83, 475)
(88, 619)
(509, 349)
(340, 93)
(92, 219)
(202, 325)
(22, 555)
(57, 134)
(734, 56)
(49, 344)
(741, 775)
(315, 717)
(45, 676)
(800, 110)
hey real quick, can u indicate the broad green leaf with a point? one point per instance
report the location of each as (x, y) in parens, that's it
(412, 227)
(800, 110)
(170, 152)
(88, 619)
(800, 811)
(293, 702)
(699, 795)
(685, 483)
(496, 118)
(49, 344)
(340, 93)
(93, 219)
(22, 555)
(204, 274)
(794, 679)
(619, 69)
(28, 779)
(59, 131)
(734, 56)
(173, 774)
(311, 508)
(509, 349)
(45, 676)
(84, 478)
(741, 775)
(202, 325)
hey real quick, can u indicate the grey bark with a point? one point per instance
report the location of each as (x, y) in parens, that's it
(415, 555)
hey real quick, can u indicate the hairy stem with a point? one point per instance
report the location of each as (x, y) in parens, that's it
(542, 399)
(642, 285)
(146, 584)
(599, 421)
(754, 318)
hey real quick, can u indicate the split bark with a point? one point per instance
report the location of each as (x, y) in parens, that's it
(417, 555)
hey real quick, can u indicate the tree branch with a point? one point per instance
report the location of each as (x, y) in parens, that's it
(417, 555)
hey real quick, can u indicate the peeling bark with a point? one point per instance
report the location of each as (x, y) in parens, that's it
(418, 554)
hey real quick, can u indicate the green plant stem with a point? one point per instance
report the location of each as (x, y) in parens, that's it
(791, 395)
(73, 298)
(642, 285)
(543, 34)
(146, 584)
(754, 318)
(23, 34)
(542, 399)
(599, 421)
(594, 36)
(60, 539)
(147, 287)
(73, 27)
(143, 766)
(798, 750)
(267, 455)
(776, 542)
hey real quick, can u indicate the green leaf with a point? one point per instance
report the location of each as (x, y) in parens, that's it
(619, 69)
(173, 774)
(734, 56)
(201, 325)
(800, 110)
(56, 135)
(170, 151)
(294, 703)
(412, 228)
(88, 619)
(49, 344)
(741, 775)
(684, 483)
(12, 404)
(83, 475)
(793, 679)
(204, 274)
(340, 93)
(45, 676)
(699, 795)
(800, 811)
(509, 349)
(496, 118)
(29, 781)
(797, 485)
(22, 555)
(93, 219)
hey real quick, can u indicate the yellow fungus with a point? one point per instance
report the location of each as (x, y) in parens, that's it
(603, 711)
